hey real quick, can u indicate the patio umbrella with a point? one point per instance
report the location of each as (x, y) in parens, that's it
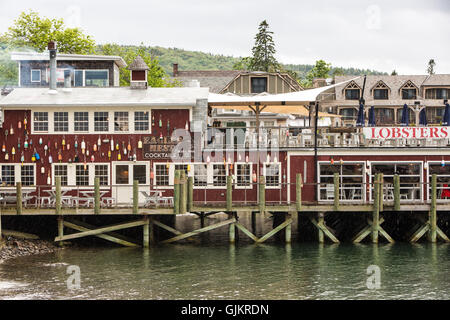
(423, 117)
(405, 116)
(360, 120)
(446, 119)
(372, 116)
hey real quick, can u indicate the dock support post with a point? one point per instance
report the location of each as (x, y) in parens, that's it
(135, 196)
(190, 195)
(381, 191)
(376, 208)
(58, 195)
(183, 192)
(0, 228)
(232, 230)
(396, 192)
(288, 229)
(298, 189)
(262, 194)
(152, 231)
(320, 221)
(432, 218)
(336, 191)
(229, 193)
(19, 197)
(60, 229)
(146, 234)
(176, 192)
(96, 195)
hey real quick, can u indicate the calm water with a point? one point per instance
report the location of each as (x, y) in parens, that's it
(299, 271)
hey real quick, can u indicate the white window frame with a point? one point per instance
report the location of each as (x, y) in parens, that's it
(155, 164)
(33, 129)
(18, 174)
(68, 122)
(71, 175)
(84, 76)
(31, 76)
(279, 174)
(128, 121)
(88, 121)
(236, 186)
(130, 172)
(447, 163)
(132, 119)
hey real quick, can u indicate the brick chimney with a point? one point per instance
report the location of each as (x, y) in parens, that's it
(319, 82)
(175, 69)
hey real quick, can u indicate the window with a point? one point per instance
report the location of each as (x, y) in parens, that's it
(120, 121)
(443, 179)
(27, 175)
(435, 114)
(101, 121)
(81, 121)
(352, 94)
(219, 175)
(8, 175)
(243, 174)
(384, 116)
(161, 175)
(35, 75)
(259, 84)
(348, 113)
(139, 173)
(122, 174)
(102, 172)
(437, 93)
(79, 78)
(351, 179)
(61, 121)
(40, 121)
(272, 173)
(82, 175)
(141, 120)
(61, 171)
(412, 116)
(410, 179)
(96, 78)
(380, 94)
(181, 167)
(200, 175)
(409, 91)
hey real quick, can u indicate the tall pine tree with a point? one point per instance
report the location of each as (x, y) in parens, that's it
(263, 58)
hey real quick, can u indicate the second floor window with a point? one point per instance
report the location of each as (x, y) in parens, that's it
(141, 121)
(40, 121)
(61, 121)
(259, 85)
(352, 94)
(380, 94)
(408, 94)
(81, 121)
(120, 121)
(438, 93)
(101, 121)
(35, 75)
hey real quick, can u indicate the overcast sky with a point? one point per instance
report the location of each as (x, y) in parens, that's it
(377, 34)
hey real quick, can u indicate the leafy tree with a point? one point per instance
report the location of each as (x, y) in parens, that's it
(156, 76)
(263, 58)
(34, 32)
(320, 70)
(431, 65)
(243, 64)
(394, 73)
(338, 72)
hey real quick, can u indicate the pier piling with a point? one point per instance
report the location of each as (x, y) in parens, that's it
(97, 195)
(396, 192)
(60, 229)
(376, 208)
(176, 192)
(298, 189)
(288, 229)
(183, 192)
(432, 216)
(190, 195)
(135, 196)
(336, 191)
(19, 197)
(229, 193)
(262, 194)
(58, 195)
(146, 233)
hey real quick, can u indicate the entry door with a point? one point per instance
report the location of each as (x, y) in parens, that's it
(124, 173)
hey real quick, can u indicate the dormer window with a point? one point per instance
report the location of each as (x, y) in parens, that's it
(259, 84)
(409, 91)
(352, 91)
(380, 91)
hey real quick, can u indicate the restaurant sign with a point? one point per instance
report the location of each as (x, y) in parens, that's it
(154, 148)
(382, 133)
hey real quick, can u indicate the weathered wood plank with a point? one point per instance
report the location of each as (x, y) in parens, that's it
(247, 232)
(262, 193)
(320, 225)
(432, 216)
(229, 193)
(145, 233)
(198, 231)
(396, 192)
(298, 191)
(135, 196)
(58, 199)
(19, 197)
(274, 231)
(166, 227)
(176, 192)
(419, 233)
(97, 195)
(101, 230)
(190, 199)
(336, 191)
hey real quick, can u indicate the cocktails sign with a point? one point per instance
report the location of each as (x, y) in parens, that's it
(154, 148)
(382, 133)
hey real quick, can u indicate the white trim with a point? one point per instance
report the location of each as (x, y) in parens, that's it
(71, 175)
(280, 175)
(250, 186)
(19, 78)
(130, 165)
(428, 199)
(31, 76)
(17, 173)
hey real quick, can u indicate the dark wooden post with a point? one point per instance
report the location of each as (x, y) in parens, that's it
(288, 229)
(262, 194)
(145, 230)
(336, 191)
(433, 210)
(190, 200)
(396, 192)
(58, 198)
(183, 192)
(376, 208)
(298, 189)
(229, 193)
(97, 195)
(60, 228)
(19, 197)
(135, 196)
(176, 192)
(381, 180)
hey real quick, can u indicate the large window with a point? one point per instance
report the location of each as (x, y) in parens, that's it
(351, 180)
(200, 174)
(272, 172)
(259, 84)
(122, 174)
(243, 174)
(40, 121)
(27, 175)
(8, 175)
(410, 179)
(96, 78)
(102, 172)
(380, 94)
(348, 113)
(412, 116)
(82, 175)
(437, 93)
(61, 171)
(139, 173)
(161, 175)
(81, 121)
(35, 75)
(434, 114)
(219, 175)
(101, 121)
(61, 121)
(141, 119)
(352, 94)
(442, 171)
(121, 121)
(384, 116)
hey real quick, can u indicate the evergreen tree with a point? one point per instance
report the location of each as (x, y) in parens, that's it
(263, 58)
(431, 65)
(394, 73)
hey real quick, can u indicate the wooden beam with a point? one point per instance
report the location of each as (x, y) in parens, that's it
(432, 215)
(198, 231)
(419, 233)
(190, 195)
(229, 193)
(322, 227)
(288, 230)
(176, 192)
(135, 196)
(60, 229)
(113, 237)
(97, 195)
(381, 193)
(101, 230)
(298, 190)
(166, 227)
(396, 192)
(336, 191)
(232, 232)
(274, 231)
(320, 234)
(183, 192)
(152, 231)
(19, 197)
(246, 231)
(376, 208)
(58, 195)
(145, 233)
(262, 194)
(365, 231)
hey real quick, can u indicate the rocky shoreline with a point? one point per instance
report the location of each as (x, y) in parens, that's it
(12, 247)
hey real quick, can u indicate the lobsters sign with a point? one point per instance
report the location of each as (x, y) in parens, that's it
(406, 133)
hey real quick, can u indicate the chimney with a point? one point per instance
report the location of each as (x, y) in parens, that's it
(67, 81)
(52, 50)
(319, 82)
(138, 73)
(175, 69)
